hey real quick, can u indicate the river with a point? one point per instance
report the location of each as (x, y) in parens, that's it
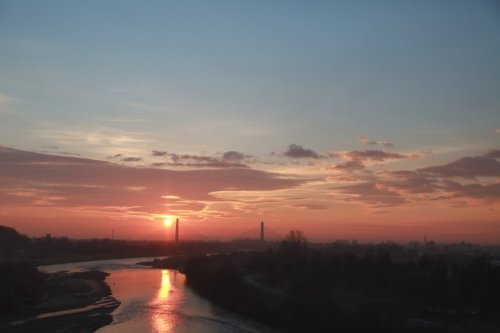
(154, 300)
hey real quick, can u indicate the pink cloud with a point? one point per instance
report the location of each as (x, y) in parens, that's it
(63, 181)
(485, 165)
(371, 193)
(432, 183)
(349, 166)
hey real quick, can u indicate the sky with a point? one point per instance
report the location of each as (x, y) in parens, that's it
(367, 120)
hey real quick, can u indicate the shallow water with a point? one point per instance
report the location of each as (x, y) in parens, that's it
(154, 300)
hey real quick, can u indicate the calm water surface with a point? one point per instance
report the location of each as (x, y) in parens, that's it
(156, 300)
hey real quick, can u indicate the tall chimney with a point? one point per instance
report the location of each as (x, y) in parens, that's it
(177, 230)
(262, 231)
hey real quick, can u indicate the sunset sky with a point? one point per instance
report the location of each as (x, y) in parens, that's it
(367, 120)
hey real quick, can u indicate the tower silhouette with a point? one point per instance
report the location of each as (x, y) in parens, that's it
(262, 231)
(177, 230)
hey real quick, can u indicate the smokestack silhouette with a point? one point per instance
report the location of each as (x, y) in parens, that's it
(262, 231)
(177, 230)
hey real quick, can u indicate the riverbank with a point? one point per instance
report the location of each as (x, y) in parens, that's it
(78, 302)
(177, 262)
(319, 291)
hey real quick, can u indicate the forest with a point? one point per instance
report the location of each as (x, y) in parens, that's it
(348, 287)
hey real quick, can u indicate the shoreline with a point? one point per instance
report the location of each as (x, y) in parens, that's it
(77, 302)
(40, 263)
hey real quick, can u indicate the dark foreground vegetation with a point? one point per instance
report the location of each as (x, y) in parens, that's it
(28, 295)
(347, 287)
(291, 285)
(33, 301)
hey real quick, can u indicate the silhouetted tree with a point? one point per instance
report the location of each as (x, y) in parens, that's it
(294, 242)
(10, 239)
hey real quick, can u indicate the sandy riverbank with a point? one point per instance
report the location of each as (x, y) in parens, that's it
(76, 302)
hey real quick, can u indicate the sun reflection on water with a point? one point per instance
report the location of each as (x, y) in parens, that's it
(163, 319)
(165, 285)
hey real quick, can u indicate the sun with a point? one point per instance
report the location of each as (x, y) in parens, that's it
(168, 221)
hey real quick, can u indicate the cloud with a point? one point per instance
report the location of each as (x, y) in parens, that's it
(131, 159)
(158, 153)
(114, 156)
(30, 179)
(230, 159)
(494, 153)
(233, 156)
(373, 155)
(485, 165)
(367, 141)
(297, 151)
(214, 164)
(350, 166)
(432, 184)
(490, 192)
(86, 134)
(306, 206)
(410, 182)
(497, 131)
(371, 193)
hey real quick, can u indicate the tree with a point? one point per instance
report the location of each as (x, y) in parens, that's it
(10, 239)
(294, 242)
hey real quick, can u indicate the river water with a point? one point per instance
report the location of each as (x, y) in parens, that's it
(154, 300)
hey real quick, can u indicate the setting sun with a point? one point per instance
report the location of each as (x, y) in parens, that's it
(168, 221)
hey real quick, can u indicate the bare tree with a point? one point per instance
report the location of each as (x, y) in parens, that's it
(294, 242)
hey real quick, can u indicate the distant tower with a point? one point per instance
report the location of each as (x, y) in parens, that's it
(262, 231)
(177, 230)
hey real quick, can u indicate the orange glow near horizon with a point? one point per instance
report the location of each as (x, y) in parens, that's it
(398, 206)
(168, 220)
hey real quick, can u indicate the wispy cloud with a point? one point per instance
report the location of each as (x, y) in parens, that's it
(34, 179)
(229, 159)
(349, 166)
(94, 137)
(131, 159)
(158, 153)
(371, 155)
(367, 141)
(486, 165)
(95, 140)
(370, 193)
(6, 103)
